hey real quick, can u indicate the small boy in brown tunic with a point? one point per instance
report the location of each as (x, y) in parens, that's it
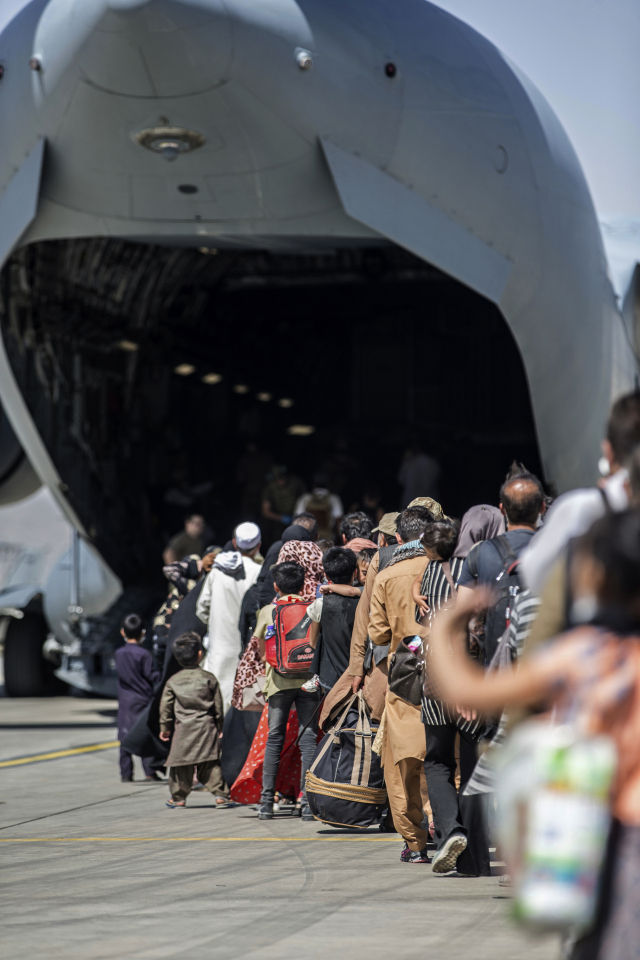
(191, 708)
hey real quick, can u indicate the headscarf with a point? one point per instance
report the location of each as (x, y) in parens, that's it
(296, 532)
(431, 505)
(483, 522)
(309, 556)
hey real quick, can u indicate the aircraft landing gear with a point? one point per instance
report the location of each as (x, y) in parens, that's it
(26, 672)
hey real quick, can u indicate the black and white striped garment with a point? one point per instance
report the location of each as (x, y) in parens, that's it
(435, 586)
(437, 589)
(523, 613)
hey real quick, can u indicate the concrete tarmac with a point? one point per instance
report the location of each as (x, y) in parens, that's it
(94, 869)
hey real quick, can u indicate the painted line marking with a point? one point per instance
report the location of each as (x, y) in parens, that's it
(57, 754)
(207, 839)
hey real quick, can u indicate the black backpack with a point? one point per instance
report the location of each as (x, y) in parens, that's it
(345, 782)
(507, 585)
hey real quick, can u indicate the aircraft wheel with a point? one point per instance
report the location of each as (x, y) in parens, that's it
(25, 669)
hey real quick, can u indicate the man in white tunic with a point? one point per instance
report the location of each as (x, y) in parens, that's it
(233, 572)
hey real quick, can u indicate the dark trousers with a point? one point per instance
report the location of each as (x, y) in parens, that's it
(126, 765)
(209, 775)
(452, 812)
(279, 706)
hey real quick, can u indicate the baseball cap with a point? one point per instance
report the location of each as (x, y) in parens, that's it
(387, 525)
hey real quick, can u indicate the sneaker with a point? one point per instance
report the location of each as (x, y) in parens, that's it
(414, 856)
(445, 858)
(312, 685)
(265, 812)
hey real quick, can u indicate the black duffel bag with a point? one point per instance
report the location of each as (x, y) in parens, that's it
(345, 782)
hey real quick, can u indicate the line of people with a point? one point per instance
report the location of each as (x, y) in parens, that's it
(486, 592)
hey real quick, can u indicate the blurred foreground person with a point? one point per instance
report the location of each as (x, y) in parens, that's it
(589, 676)
(136, 680)
(191, 716)
(573, 513)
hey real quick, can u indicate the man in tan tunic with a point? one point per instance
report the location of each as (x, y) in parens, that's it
(392, 617)
(366, 670)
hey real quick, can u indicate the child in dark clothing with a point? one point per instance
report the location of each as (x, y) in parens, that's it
(191, 715)
(333, 615)
(136, 680)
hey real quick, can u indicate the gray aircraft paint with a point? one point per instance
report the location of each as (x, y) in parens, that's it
(457, 157)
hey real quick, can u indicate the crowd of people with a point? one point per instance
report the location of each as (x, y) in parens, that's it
(518, 609)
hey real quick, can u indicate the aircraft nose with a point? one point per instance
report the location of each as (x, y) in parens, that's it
(146, 48)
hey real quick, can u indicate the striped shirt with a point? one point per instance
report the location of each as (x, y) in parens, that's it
(523, 613)
(435, 585)
(437, 590)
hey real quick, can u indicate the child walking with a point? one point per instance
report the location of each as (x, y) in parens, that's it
(136, 679)
(191, 709)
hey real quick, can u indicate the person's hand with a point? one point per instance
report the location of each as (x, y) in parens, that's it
(423, 606)
(326, 588)
(207, 561)
(467, 714)
(356, 683)
(165, 735)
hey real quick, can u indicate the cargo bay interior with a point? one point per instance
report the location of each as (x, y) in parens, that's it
(151, 371)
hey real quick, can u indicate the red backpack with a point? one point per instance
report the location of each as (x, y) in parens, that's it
(287, 646)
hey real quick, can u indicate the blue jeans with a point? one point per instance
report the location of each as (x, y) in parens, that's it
(279, 706)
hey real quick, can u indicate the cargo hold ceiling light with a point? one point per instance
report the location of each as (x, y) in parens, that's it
(184, 369)
(241, 388)
(212, 378)
(301, 430)
(285, 402)
(129, 346)
(169, 142)
(264, 397)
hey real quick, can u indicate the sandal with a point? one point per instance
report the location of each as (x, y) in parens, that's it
(176, 803)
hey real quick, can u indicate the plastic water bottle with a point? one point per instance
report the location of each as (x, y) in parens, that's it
(566, 821)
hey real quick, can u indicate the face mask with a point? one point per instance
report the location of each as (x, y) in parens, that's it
(583, 610)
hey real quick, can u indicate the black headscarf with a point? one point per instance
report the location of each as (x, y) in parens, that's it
(296, 532)
(266, 593)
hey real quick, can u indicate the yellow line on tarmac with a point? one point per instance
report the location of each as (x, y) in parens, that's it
(59, 753)
(208, 839)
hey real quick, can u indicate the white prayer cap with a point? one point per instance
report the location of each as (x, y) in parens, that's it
(247, 536)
